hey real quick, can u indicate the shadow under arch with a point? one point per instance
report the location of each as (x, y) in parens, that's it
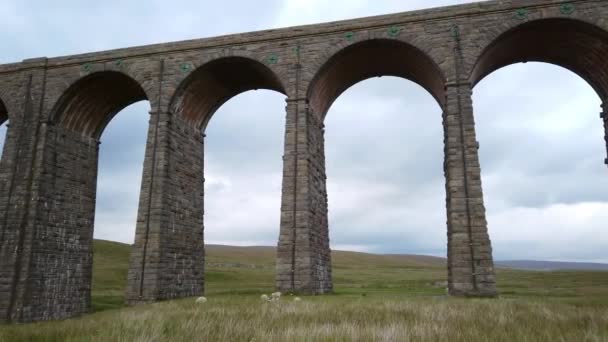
(211, 85)
(573, 44)
(3, 113)
(374, 58)
(89, 104)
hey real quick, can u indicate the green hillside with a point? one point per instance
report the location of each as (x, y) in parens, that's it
(110, 264)
(377, 298)
(250, 271)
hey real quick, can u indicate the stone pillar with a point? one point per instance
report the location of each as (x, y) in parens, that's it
(303, 253)
(604, 117)
(470, 264)
(167, 260)
(47, 182)
(61, 263)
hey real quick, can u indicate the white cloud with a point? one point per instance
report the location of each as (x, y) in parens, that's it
(353, 248)
(559, 232)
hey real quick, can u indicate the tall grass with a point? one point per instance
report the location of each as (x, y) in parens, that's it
(376, 299)
(241, 318)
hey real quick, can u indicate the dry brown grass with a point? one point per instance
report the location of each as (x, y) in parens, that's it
(246, 318)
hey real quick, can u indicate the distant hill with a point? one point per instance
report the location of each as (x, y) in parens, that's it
(244, 270)
(265, 255)
(113, 254)
(231, 270)
(537, 265)
(218, 255)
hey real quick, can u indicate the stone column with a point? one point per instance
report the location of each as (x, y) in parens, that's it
(303, 254)
(9, 214)
(470, 264)
(167, 260)
(61, 266)
(48, 179)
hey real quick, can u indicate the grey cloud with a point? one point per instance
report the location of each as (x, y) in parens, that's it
(540, 149)
(555, 233)
(247, 133)
(399, 131)
(121, 156)
(300, 12)
(541, 139)
(124, 139)
(40, 28)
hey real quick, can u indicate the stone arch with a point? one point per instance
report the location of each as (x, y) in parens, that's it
(357, 62)
(77, 120)
(574, 44)
(89, 103)
(307, 197)
(212, 84)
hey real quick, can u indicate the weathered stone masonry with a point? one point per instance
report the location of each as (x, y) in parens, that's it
(57, 109)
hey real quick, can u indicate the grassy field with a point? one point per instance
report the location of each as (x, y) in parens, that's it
(377, 298)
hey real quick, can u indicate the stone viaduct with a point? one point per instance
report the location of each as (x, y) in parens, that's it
(57, 109)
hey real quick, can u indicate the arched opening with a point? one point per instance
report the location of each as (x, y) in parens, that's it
(89, 105)
(121, 159)
(214, 83)
(542, 152)
(242, 156)
(384, 148)
(386, 189)
(374, 58)
(572, 44)
(97, 195)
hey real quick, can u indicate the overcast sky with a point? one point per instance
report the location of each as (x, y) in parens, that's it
(542, 146)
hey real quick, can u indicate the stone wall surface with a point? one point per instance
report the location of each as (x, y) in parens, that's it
(57, 109)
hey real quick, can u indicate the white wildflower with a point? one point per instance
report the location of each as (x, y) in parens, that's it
(297, 299)
(276, 295)
(201, 300)
(264, 297)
